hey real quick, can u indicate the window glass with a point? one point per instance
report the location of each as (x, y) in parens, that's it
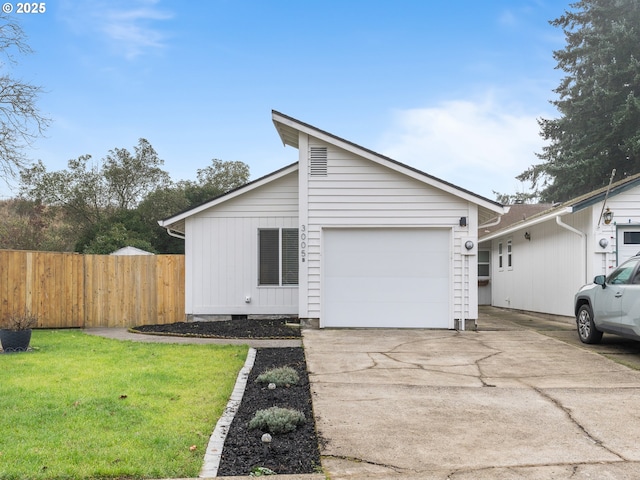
(632, 238)
(623, 273)
(500, 255)
(483, 263)
(289, 256)
(269, 270)
(278, 256)
(509, 256)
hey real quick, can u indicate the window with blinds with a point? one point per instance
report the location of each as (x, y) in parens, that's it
(289, 256)
(269, 270)
(278, 256)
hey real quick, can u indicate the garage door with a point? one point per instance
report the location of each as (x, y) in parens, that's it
(396, 278)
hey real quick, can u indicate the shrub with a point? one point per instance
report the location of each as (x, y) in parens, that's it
(277, 420)
(19, 321)
(281, 376)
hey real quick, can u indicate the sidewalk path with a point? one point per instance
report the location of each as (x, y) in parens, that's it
(124, 334)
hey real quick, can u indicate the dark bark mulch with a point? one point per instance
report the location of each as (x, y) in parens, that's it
(290, 453)
(241, 328)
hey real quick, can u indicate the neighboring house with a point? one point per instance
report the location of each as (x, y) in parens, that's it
(537, 264)
(345, 237)
(130, 251)
(515, 213)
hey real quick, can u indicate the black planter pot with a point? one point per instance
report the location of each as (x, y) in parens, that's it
(15, 341)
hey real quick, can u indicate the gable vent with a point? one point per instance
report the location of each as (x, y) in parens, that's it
(318, 161)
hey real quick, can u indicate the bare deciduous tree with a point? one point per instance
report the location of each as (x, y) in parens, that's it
(20, 120)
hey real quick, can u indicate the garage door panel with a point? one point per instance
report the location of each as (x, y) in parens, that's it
(386, 278)
(362, 316)
(399, 290)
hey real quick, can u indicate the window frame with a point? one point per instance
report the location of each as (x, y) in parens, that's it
(286, 253)
(482, 263)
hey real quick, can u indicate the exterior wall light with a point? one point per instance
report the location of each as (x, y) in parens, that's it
(607, 216)
(527, 235)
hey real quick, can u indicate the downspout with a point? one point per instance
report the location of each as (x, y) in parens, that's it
(175, 234)
(492, 223)
(584, 245)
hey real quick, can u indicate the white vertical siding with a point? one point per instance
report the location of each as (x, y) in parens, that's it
(546, 270)
(222, 252)
(358, 192)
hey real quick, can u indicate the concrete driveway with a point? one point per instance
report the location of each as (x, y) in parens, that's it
(511, 400)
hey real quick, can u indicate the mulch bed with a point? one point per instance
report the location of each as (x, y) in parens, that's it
(243, 328)
(290, 453)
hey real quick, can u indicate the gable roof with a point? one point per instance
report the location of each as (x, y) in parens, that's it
(175, 223)
(289, 128)
(571, 206)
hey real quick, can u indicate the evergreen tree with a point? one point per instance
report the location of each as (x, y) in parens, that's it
(598, 101)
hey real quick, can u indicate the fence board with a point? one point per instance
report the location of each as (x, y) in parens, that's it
(71, 290)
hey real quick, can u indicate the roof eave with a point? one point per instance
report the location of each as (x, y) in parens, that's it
(285, 125)
(174, 221)
(559, 212)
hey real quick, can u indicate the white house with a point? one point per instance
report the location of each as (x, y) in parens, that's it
(538, 263)
(345, 237)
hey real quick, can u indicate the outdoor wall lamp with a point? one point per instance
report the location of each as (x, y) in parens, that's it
(527, 235)
(607, 216)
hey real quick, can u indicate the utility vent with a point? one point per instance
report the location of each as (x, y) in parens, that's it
(318, 161)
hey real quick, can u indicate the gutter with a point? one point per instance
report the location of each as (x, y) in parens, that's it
(491, 223)
(175, 234)
(583, 236)
(525, 223)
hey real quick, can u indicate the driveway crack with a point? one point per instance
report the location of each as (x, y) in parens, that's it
(347, 458)
(581, 427)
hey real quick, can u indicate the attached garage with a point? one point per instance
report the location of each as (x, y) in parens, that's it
(386, 277)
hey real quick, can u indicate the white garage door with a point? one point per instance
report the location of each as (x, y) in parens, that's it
(395, 277)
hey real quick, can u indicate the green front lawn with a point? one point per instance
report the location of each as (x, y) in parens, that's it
(84, 407)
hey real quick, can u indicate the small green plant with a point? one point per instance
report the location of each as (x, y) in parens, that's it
(261, 471)
(277, 420)
(281, 376)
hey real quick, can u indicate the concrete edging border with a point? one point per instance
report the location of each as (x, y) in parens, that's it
(213, 453)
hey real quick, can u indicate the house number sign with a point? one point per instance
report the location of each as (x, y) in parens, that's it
(303, 243)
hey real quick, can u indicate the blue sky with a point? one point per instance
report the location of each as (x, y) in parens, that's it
(451, 88)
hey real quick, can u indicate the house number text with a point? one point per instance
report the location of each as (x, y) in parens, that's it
(303, 243)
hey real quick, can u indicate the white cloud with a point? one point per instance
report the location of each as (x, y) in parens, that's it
(130, 27)
(480, 146)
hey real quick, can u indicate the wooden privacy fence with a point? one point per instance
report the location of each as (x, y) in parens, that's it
(72, 290)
